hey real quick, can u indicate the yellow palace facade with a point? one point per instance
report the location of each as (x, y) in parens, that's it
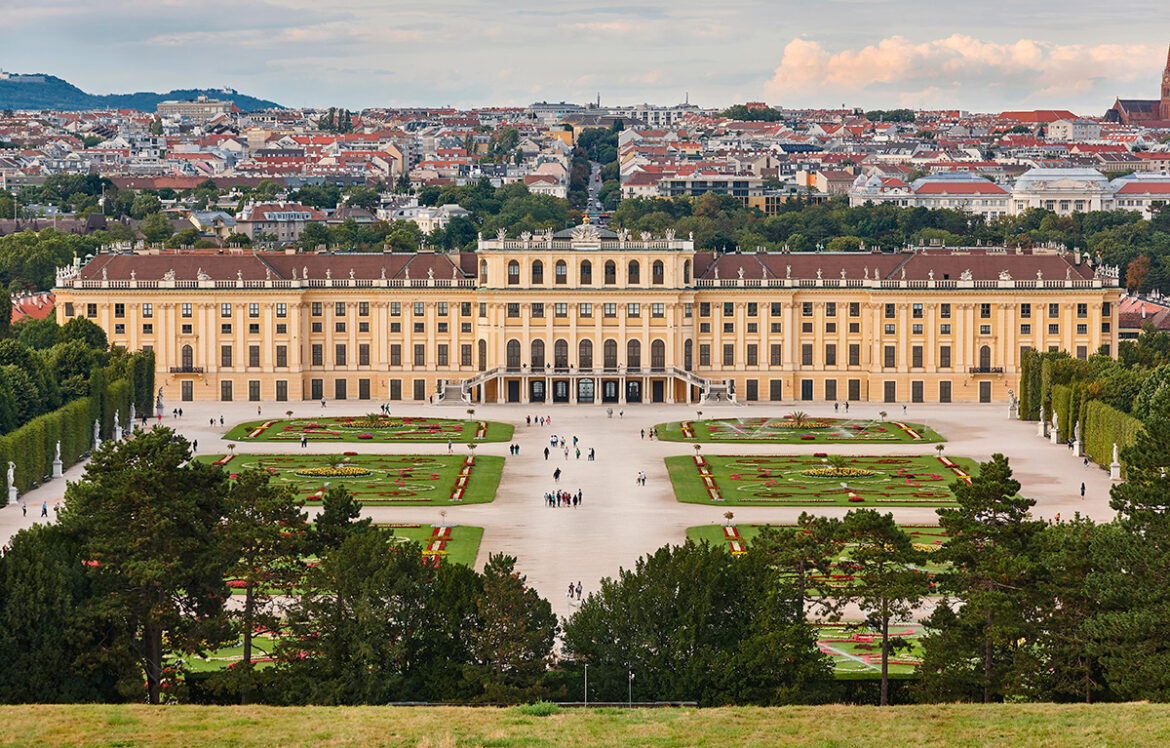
(588, 315)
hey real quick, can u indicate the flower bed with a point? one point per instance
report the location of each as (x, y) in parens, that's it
(837, 472)
(338, 471)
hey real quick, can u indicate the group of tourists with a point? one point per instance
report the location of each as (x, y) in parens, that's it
(561, 498)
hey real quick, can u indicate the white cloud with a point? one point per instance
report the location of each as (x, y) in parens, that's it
(942, 71)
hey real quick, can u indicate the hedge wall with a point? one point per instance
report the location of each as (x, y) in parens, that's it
(1104, 425)
(33, 446)
(1061, 400)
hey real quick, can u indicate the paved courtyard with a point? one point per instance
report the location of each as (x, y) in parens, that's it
(618, 520)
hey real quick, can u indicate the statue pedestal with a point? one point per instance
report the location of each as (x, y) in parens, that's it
(12, 494)
(1040, 429)
(117, 433)
(57, 471)
(1115, 471)
(1078, 449)
(1054, 436)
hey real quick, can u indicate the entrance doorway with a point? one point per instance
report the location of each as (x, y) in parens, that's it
(634, 391)
(560, 388)
(985, 392)
(536, 390)
(806, 389)
(513, 390)
(610, 391)
(657, 391)
(584, 390)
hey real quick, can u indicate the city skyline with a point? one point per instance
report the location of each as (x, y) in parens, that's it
(1071, 56)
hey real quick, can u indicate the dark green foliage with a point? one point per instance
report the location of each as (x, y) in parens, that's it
(741, 113)
(339, 518)
(694, 623)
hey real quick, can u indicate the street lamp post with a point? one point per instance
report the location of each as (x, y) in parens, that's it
(586, 684)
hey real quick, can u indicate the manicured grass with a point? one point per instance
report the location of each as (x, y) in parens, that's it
(784, 430)
(781, 480)
(461, 548)
(937, 726)
(856, 650)
(373, 428)
(398, 480)
(738, 538)
(263, 646)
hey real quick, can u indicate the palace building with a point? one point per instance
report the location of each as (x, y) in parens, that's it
(588, 315)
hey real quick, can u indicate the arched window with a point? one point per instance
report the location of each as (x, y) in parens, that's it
(562, 273)
(537, 272)
(634, 273)
(657, 273)
(513, 273)
(686, 272)
(537, 355)
(585, 354)
(633, 355)
(586, 273)
(188, 357)
(483, 355)
(514, 355)
(688, 354)
(610, 272)
(483, 272)
(561, 354)
(984, 357)
(609, 351)
(657, 355)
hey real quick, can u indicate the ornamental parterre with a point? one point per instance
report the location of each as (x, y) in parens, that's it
(372, 427)
(789, 430)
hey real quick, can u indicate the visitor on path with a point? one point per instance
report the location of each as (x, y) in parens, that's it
(546, 453)
(580, 496)
(591, 454)
(1086, 462)
(557, 475)
(621, 413)
(57, 509)
(175, 413)
(195, 447)
(322, 402)
(903, 410)
(44, 509)
(846, 406)
(1082, 489)
(643, 432)
(527, 420)
(23, 509)
(304, 441)
(221, 420)
(609, 412)
(211, 421)
(574, 440)
(257, 410)
(180, 412)
(578, 453)
(566, 453)
(578, 589)
(570, 590)
(448, 446)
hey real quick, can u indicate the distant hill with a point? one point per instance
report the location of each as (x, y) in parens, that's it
(50, 92)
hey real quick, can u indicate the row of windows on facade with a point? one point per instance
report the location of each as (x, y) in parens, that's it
(316, 390)
(585, 273)
(751, 308)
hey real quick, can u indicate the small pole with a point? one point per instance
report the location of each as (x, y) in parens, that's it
(630, 694)
(586, 684)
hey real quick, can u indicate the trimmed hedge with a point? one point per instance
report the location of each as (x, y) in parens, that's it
(33, 446)
(1062, 406)
(1103, 426)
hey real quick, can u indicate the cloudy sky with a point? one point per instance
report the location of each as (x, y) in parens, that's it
(980, 55)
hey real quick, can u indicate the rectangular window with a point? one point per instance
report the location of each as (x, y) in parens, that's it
(1054, 310)
(944, 392)
(339, 389)
(753, 390)
(538, 310)
(363, 389)
(830, 389)
(775, 389)
(585, 310)
(916, 328)
(1025, 329)
(830, 309)
(916, 357)
(633, 309)
(186, 329)
(944, 328)
(944, 357)
(395, 389)
(254, 356)
(704, 309)
(465, 309)
(396, 354)
(513, 310)
(225, 328)
(119, 311)
(776, 327)
(890, 329)
(687, 309)
(120, 329)
(916, 311)
(225, 356)
(363, 354)
(395, 309)
(917, 391)
(420, 308)
(830, 354)
(944, 311)
(254, 389)
(338, 327)
(483, 309)
(854, 309)
(420, 327)
(1082, 310)
(91, 310)
(317, 355)
(1082, 352)
(610, 309)
(281, 390)
(465, 354)
(225, 391)
(1082, 329)
(339, 354)
(68, 308)
(806, 354)
(561, 309)
(728, 309)
(775, 355)
(253, 310)
(225, 310)
(753, 354)
(315, 309)
(984, 329)
(1054, 329)
(658, 311)
(420, 389)
(441, 355)
(148, 329)
(148, 310)
(891, 311)
(363, 309)
(753, 309)
(282, 355)
(253, 328)
(753, 327)
(704, 354)
(281, 310)
(316, 327)
(806, 326)
(729, 327)
(729, 354)
(363, 326)
(855, 354)
(985, 311)
(420, 354)
(891, 357)
(806, 309)
(442, 309)
(777, 308)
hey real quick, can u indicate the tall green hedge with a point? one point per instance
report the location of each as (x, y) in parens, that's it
(1061, 401)
(1103, 426)
(32, 447)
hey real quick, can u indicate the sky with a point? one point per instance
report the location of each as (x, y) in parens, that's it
(975, 55)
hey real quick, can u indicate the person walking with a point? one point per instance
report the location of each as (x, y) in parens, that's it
(546, 453)
(578, 453)
(23, 509)
(643, 433)
(195, 447)
(1082, 489)
(221, 420)
(578, 589)
(557, 475)
(304, 441)
(591, 454)
(448, 446)
(44, 509)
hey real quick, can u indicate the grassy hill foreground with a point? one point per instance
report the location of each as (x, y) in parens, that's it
(437, 727)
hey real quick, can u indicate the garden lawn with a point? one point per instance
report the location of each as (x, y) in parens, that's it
(263, 647)
(783, 480)
(370, 428)
(398, 480)
(856, 649)
(935, 725)
(785, 430)
(738, 538)
(459, 544)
